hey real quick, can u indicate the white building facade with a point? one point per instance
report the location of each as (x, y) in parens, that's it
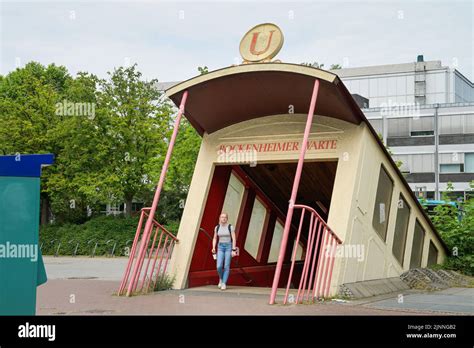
(425, 114)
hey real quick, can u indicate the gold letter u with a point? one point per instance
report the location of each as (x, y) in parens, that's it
(254, 43)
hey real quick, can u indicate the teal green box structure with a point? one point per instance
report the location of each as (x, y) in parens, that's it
(21, 263)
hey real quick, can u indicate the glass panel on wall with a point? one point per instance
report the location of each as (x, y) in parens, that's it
(401, 228)
(382, 204)
(276, 241)
(450, 168)
(233, 199)
(417, 247)
(255, 230)
(432, 254)
(469, 162)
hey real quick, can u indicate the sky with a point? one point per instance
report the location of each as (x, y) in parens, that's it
(169, 40)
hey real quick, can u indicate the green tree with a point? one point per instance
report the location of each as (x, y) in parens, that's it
(112, 154)
(28, 117)
(102, 156)
(138, 122)
(457, 230)
(180, 173)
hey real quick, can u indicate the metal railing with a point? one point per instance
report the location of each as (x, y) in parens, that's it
(72, 247)
(318, 264)
(159, 251)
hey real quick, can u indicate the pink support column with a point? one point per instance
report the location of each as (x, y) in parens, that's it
(156, 198)
(294, 191)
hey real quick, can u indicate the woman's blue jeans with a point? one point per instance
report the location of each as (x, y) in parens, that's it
(224, 256)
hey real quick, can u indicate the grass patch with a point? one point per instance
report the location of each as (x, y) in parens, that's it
(164, 282)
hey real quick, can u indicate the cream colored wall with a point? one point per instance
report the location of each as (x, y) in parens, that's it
(379, 261)
(353, 196)
(192, 214)
(271, 128)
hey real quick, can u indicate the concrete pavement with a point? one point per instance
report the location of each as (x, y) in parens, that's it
(83, 267)
(97, 297)
(82, 285)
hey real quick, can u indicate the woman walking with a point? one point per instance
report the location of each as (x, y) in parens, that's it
(226, 248)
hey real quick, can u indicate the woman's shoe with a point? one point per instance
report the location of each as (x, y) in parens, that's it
(220, 285)
(223, 287)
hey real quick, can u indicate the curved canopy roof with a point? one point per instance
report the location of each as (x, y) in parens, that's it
(239, 93)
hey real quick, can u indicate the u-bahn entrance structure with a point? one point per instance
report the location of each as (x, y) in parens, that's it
(312, 217)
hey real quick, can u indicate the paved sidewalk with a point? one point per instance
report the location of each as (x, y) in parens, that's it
(83, 267)
(95, 297)
(83, 285)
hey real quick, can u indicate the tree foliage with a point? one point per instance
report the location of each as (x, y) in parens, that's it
(109, 137)
(456, 227)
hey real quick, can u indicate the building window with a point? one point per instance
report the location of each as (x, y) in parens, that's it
(451, 168)
(432, 254)
(417, 246)
(422, 126)
(299, 251)
(276, 242)
(469, 162)
(382, 204)
(421, 133)
(233, 198)
(255, 230)
(401, 229)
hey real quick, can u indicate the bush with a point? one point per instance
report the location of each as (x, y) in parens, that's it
(457, 230)
(119, 231)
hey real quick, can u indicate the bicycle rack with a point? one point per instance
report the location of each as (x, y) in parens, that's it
(95, 246)
(126, 245)
(52, 241)
(75, 249)
(113, 248)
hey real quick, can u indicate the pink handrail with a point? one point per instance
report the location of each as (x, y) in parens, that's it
(161, 248)
(318, 265)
